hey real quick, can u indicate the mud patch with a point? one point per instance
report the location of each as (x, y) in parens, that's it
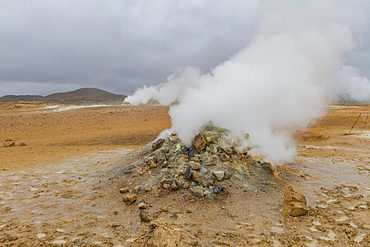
(60, 204)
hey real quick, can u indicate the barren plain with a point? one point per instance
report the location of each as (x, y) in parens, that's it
(60, 189)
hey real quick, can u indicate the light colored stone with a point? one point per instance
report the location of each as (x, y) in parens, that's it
(137, 189)
(123, 190)
(294, 203)
(9, 143)
(142, 205)
(198, 191)
(166, 186)
(129, 199)
(219, 175)
(196, 175)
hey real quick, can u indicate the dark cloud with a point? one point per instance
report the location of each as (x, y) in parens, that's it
(54, 45)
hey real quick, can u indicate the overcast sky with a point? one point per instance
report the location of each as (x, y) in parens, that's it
(49, 46)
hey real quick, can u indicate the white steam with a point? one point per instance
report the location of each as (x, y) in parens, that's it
(275, 85)
(350, 85)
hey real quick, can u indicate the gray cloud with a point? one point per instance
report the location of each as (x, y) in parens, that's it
(57, 45)
(117, 45)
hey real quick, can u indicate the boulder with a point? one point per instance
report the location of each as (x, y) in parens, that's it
(294, 203)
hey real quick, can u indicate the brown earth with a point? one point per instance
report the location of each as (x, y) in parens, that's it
(54, 136)
(59, 189)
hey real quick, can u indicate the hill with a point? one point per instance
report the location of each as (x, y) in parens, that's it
(85, 94)
(22, 97)
(82, 95)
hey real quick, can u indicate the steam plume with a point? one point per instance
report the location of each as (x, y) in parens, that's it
(275, 85)
(350, 85)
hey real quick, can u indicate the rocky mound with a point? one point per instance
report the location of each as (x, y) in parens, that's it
(210, 187)
(167, 165)
(211, 193)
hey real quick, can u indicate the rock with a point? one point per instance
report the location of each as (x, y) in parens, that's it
(6, 209)
(174, 186)
(294, 203)
(224, 157)
(160, 233)
(40, 235)
(198, 191)
(166, 186)
(186, 185)
(161, 157)
(216, 190)
(209, 195)
(152, 165)
(213, 148)
(23, 144)
(114, 225)
(199, 142)
(227, 175)
(9, 143)
(187, 174)
(137, 189)
(124, 190)
(142, 205)
(148, 189)
(268, 168)
(195, 166)
(157, 144)
(195, 176)
(129, 199)
(144, 216)
(211, 161)
(366, 226)
(219, 175)
(164, 209)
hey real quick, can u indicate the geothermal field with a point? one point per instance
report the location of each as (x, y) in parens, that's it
(99, 176)
(232, 123)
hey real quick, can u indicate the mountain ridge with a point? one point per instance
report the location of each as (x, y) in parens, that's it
(81, 94)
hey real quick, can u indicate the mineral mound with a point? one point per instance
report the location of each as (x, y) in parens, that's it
(209, 194)
(167, 165)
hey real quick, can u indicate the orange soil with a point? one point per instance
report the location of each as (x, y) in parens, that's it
(54, 136)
